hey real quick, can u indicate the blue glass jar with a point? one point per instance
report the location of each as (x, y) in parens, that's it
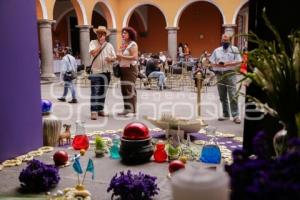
(211, 152)
(115, 148)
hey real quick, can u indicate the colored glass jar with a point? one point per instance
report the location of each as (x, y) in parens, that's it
(160, 154)
(80, 141)
(115, 148)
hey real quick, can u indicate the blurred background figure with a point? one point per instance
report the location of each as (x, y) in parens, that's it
(243, 68)
(68, 65)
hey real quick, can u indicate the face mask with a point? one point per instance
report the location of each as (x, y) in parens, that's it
(225, 45)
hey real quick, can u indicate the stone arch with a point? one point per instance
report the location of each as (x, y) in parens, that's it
(143, 22)
(41, 9)
(185, 5)
(144, 3)
(79, 10)
(61, 16)
(108, 12)
(237, 10)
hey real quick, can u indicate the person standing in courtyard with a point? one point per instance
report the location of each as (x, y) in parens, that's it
(225, 60)
(69, 65)
(127, 57)
(103, 55)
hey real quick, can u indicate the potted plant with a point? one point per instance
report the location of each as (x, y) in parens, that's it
(275, 69)
(129, 186)
(99, 146)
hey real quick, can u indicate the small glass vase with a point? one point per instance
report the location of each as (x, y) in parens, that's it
(80, 140)
(280, 141)
(211, 152)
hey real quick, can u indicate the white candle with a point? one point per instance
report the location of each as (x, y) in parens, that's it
(196, 183)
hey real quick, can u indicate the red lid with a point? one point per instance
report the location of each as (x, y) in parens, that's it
(136, 131)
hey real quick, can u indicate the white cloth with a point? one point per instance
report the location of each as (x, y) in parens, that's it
(231, 54)
(68, 64)
(100, 64)
(126, 52)
(180, 51)
(163, 58)
(57, 65)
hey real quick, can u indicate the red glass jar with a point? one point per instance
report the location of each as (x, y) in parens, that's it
(80, 141)
(160, 155)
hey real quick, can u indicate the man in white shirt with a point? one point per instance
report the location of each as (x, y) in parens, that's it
(68, 65)
(225, 60)
(104, 55)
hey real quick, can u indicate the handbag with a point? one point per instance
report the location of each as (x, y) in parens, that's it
(88, 69)
(70, 75)
(117, 70)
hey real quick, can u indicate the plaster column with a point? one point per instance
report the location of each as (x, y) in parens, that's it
(172, 41)
(46, 48)
(84, 40)
(113, 38)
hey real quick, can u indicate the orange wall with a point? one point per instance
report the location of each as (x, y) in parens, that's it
(200, 18)
(157, 37)
(61, 31)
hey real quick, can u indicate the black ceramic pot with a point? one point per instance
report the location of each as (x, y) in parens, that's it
(136, 151)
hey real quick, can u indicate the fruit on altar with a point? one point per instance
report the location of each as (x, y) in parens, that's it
(60, 158)
(176, 165)
(82, 152)
(183, 159)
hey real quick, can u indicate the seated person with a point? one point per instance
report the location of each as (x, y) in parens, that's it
(153, 71)
(204, 68)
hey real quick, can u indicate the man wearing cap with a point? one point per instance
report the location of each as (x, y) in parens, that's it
(104, 55)
(225, 60)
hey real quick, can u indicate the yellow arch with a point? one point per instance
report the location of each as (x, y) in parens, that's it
(41, 9)
(131, 9)
(78, 6)
(237, 10)
(106, 8)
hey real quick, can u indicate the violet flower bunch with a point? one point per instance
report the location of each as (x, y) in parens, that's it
(262, 179)
(133, 186)
(38, 177)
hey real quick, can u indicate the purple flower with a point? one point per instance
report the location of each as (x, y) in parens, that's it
(261, 179)
(38, 177)
(133, 186)
(263, 145)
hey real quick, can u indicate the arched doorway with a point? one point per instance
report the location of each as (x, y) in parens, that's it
(200, 26)
(64, 32)
(150, 24)
(98, 19)
(241, 20)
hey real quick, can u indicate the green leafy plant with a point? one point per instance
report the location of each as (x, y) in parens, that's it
(276, 70)
(99, 143)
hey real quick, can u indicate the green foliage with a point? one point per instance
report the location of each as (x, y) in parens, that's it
(172, 151)
(276, 70)
(99, 143)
